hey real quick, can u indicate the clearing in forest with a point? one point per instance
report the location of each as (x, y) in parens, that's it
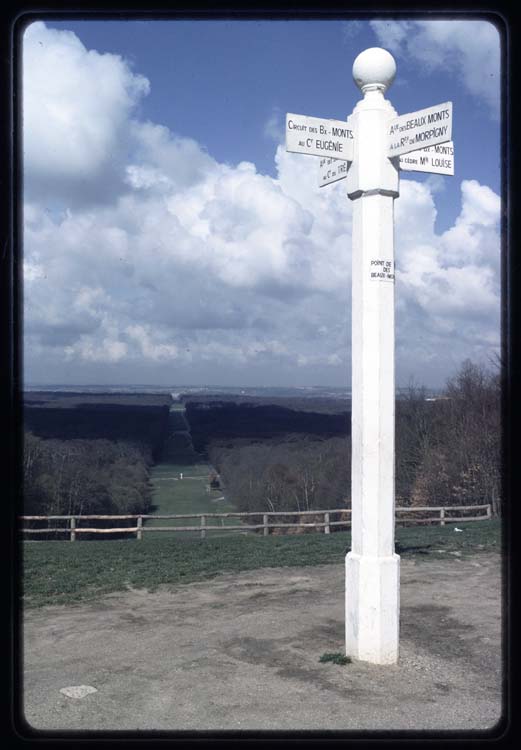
(181, 483)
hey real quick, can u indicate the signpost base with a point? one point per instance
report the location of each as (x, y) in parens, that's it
(372, 608)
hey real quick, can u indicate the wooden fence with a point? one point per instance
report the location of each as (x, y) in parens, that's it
(426, 515)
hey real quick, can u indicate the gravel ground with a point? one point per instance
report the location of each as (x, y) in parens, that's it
(241, 652)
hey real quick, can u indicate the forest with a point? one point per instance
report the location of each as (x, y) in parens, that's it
(217, 419)
(92, 454)
(447, 452)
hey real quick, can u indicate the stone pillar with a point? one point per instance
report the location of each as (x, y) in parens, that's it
(372, 567)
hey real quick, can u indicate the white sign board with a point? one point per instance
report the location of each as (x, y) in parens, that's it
(427, 127)
(318, 137)
(438, 159)
(331, 170)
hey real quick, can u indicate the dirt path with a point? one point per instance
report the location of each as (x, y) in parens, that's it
(242, 652)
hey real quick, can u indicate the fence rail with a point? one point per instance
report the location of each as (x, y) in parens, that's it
(269, 520)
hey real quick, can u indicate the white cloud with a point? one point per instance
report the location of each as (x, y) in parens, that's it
(149, 348)
(447, 288)
(76, 105)
(165, 160)
(106, 350)
(436, 183)
(197, 267)
(468, 49)
(351, 29)
(274, 127)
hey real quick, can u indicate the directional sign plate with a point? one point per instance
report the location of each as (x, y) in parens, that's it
(417, 130)
(319, 137)
(331, 170)
(438, 159)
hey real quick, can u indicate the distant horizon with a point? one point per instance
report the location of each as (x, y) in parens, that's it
(208, 386)
(69, 386)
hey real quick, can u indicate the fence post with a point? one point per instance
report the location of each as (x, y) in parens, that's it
(489, 511)
(442, 516)
(203, 524)
(265, 531)
(73, 529)
(139, 528)
(326, 521)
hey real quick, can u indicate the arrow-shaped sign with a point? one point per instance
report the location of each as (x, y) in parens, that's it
(424, 136)
(331, 170)
(437, 159)
(427, 127)
(319, 137)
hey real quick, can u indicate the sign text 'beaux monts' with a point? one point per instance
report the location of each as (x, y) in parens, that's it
(427, 127)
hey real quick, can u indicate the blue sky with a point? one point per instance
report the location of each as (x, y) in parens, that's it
(157, 145)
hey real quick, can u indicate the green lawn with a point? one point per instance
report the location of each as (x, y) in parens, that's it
(173, 495)
(61, 572)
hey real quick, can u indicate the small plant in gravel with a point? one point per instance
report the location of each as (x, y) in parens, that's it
(336, 658)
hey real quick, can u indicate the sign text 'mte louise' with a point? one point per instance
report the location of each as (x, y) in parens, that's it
(319, 137)
(427, 127)
(437, 159)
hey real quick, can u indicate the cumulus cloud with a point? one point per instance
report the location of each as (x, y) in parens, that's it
(447, 288)
(197, 267)
(76, 105)
(468, 49)
(274, 128)
(351, 29)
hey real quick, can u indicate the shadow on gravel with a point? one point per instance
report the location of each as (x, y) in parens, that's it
(435, 628)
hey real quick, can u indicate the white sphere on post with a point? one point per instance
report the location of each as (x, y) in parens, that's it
(374, 67)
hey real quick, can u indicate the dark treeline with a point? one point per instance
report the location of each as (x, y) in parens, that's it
(109, 417)
(71, 399)
(210, 421)
(447, 452)
(316, 404)
(90, 454)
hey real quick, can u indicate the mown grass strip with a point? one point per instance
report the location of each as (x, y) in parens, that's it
(65, 573)
(173, 495)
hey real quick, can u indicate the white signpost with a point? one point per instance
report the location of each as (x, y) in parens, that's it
(367, 161)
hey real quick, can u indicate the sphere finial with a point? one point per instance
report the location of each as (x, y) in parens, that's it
(374, 69)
